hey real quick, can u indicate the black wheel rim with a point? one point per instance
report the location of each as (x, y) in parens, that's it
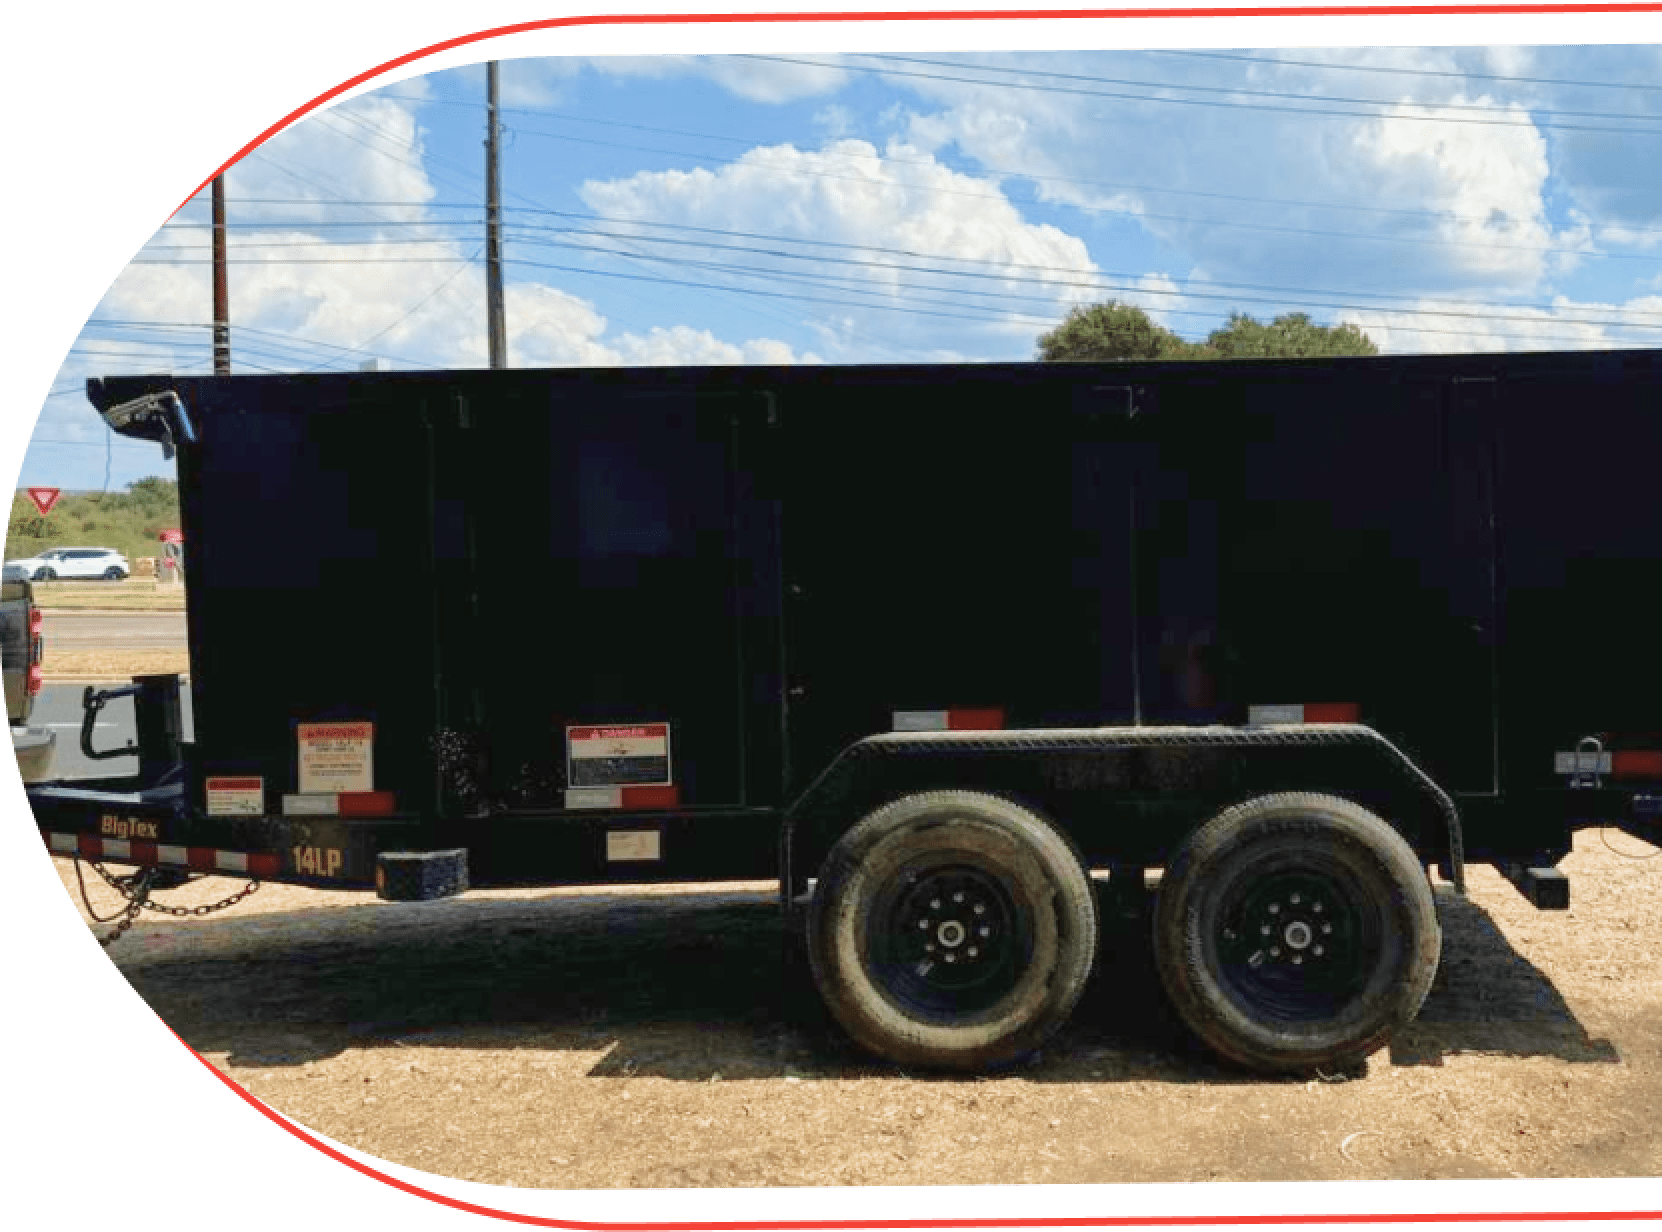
(1298, 944)
(947, 939)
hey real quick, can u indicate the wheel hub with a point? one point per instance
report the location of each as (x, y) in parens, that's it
(1294, 943)
(954, 936)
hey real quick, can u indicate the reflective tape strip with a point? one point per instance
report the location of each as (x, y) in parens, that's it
(1317, 712)
(594, 798)
(623, 797)
(1636, 764)
(989, 718)
(366, 803)
(312, 804)
(1581, 763)
(1273, 716)
(1331, 712)
(202, 859)
(919, 720)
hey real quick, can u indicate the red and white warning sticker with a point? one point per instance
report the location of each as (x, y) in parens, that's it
(235, 796)
(336, 757)
(632, 755)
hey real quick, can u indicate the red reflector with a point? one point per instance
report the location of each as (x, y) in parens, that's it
(1636, 764)
(365, 803)
(1332, 712)
(975, 720)
(37, 618)
(36, 678)
(649, 797)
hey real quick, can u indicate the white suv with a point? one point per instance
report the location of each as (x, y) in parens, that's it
(75, 563)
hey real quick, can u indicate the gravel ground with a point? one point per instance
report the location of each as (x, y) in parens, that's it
(646, 1038)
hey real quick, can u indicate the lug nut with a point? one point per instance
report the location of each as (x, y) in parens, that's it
(1275, 951)
(1295, 899)
(1327, 928)
(951, 957)
(985, 931)
(1298, 960)
(980, 908)
(1265, 929)
(958, 897)
(1316, 907)
(1275, 908)
(1317, 951)
(934, 904)
(924, 924)
(974, 953)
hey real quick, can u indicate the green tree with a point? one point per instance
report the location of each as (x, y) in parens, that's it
(1110, 331)
(1291, 336)
(1113, 330)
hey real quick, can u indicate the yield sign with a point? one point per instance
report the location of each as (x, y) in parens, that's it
(44, 499)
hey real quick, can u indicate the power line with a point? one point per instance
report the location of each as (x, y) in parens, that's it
(1015, 172)
(1483, 108)
(1135, 215)
(1094, 283)
(1207, 102)
(1409, 72)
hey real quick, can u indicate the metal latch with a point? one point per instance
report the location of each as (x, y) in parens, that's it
(1589, 756)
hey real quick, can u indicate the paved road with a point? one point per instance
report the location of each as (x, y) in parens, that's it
(59, 708)
(71, 630)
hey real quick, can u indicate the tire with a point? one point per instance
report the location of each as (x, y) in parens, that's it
(952, 930)
(113, 574)
(44, 574)
(1352, 942)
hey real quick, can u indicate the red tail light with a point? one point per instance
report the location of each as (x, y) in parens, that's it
(36, 679)
(37, 619)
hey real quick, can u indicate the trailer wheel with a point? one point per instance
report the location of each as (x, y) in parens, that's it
(952, 930)
(1295, 932)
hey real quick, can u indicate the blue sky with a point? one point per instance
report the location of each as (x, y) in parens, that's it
(913, 207)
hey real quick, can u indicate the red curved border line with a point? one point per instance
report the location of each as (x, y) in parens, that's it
(664, 19)
(826, 1225)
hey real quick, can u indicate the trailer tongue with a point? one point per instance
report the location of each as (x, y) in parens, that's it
(939, 649)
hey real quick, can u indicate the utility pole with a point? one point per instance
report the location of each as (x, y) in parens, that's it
(493, 227)
(222, 299)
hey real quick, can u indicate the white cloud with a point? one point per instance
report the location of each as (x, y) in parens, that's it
(900, 220)
(1488, 181)
(758, 81)
(1442, 326)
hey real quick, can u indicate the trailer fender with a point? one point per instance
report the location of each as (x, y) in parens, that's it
(1074, 775)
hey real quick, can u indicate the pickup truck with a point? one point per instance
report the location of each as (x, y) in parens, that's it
(20, 652)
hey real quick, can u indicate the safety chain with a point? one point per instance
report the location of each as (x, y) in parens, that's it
(135, 889)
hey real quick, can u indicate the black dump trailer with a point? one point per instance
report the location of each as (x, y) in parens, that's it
(936, 647)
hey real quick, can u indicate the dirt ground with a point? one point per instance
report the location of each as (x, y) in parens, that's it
(646, 1038)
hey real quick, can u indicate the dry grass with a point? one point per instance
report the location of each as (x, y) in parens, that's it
(112, 665)
(131, 595)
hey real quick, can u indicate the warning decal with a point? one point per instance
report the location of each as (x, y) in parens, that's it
(336, 757)
(635, 755)
(236, 797)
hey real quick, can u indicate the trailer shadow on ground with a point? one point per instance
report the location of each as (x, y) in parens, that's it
(689, 986)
